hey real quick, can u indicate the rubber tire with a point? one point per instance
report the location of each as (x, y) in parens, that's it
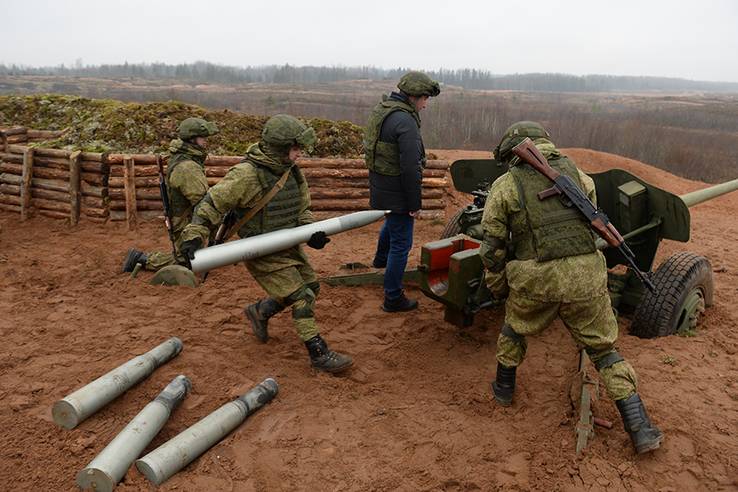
(453, 228)
(658, 315)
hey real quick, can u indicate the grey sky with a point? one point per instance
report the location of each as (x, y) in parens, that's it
(690, 39)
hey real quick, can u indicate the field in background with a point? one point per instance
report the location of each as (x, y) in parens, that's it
(693, 135)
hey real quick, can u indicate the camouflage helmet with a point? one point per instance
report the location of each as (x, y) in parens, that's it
(515, 134)
(196, 127)
(283, 130)
(418, 84)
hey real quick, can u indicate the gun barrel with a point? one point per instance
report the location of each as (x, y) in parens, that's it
(181, 450)
(77, 406)
(271, 242)
(699, 196)
(107, 469)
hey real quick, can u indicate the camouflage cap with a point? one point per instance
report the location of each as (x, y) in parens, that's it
(418, 84)
(515, 134)
(283, 130)
(196, 127)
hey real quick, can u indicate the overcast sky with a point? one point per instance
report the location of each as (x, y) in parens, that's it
(689, 39)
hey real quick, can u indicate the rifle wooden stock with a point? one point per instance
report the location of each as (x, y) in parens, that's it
(529, 153)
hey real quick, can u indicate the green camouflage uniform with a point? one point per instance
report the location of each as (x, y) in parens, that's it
(186, 185)
(287, 275)
(541, 255)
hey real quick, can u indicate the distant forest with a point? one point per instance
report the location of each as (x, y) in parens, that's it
(467, 78)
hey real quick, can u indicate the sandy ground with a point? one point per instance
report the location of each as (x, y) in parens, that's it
(415, 413)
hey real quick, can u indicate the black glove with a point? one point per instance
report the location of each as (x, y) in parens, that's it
(318, 240)
(189, 247)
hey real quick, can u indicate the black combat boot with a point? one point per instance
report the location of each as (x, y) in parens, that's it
(134, 257)
(400, 304)
(643, 434)
(325, 359)
(259, 314)
(504, 386)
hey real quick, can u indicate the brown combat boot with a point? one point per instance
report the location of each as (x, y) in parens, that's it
(324, 359)
(258, 315)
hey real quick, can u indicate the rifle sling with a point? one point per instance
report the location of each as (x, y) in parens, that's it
(256, 208)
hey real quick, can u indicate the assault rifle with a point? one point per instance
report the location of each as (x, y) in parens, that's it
(564, 186)
(165, 201)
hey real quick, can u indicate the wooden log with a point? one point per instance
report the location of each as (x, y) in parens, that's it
(16, 130)
(222, 160)
(75, 196)
(11, 200)
(435, 182)
(146, 170)
(25, 186)
(52, 162)
(97, 220)
(94, 212)
(16, 139)
(351, 193)
(3, 141)
(56, 196)
(141, 194)
(41, 203)
(49, 173)
(10, 179)
(7, 167)
(94, 167)
(93, 202)
(432, 214)
(50, 184)
(16, 149)
(130, 190)
(60, 153)
(95, 179)
(44, 134)
(213, 181)
(10, 189)
(10, 208)
(93, 156)
(7, 157)
(364, 183)
(145, 182)
(144, 215)
(90, 190)
(363, 204)
(140, 205)
(54, 214)
(137, 158)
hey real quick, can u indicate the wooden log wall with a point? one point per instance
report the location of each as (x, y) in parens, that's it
(125, 187)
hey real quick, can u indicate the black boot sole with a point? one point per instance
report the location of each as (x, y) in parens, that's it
(254, 321)
(398, 310)
(333, 370)
(651, 446)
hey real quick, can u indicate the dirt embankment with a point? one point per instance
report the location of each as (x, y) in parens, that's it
(415, 413)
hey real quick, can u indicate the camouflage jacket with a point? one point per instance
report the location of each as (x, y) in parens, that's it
(569, 279)
(240, 189)
(186, 181)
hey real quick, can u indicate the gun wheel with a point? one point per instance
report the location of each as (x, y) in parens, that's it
(684, 287)
(453, 227)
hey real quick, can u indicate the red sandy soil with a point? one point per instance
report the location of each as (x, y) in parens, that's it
(415, 413)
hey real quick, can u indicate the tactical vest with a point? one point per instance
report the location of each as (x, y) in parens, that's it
(384, 157)
(552, 230)
(282, 211)
(179, 203)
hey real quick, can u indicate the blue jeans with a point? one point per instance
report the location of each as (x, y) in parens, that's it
(393, 247)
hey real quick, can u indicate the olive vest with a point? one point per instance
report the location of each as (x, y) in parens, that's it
(551, 229)
(384, 157)
(180, 205)
(282, 211)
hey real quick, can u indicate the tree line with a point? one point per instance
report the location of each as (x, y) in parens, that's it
(467, 78)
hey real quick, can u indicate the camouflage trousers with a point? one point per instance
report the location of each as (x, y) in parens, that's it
(288, 278)
(591, 323)
(157, 260)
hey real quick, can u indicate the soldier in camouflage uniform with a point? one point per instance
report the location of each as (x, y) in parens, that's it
(541, 255)
(186, 185)
(286, 276)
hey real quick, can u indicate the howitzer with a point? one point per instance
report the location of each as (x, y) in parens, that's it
(564, 186)
(451, 272)
(165, 202)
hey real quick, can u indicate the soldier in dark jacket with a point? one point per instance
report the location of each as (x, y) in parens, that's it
(395, 157)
